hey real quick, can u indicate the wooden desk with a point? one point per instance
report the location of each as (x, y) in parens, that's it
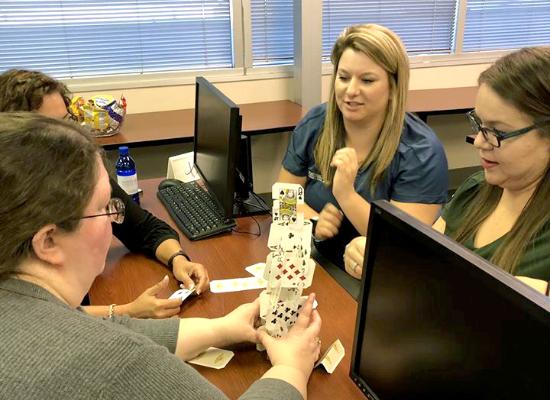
(166, 127)
(441, 101)
(127, 275)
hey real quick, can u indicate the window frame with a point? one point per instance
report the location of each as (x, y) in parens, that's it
(244, 70)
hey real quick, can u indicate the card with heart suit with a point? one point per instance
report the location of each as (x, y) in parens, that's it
(213, 358)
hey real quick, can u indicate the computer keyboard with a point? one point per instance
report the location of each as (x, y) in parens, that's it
(194, 210)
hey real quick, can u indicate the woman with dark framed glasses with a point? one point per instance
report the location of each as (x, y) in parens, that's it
(140, 231)
(503, 212)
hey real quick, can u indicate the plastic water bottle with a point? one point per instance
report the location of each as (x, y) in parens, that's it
(126, 173)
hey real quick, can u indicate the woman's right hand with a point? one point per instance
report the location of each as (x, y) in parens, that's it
(300, 348)
(328, 224)
(148, 305)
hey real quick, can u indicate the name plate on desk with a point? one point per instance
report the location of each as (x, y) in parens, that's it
(182, 167)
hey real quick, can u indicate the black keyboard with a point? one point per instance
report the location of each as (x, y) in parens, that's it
(194, 210)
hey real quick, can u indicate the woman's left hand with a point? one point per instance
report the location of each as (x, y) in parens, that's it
(354, 256)
(345, 161)
(240, 324)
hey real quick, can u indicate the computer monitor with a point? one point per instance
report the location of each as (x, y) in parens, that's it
(221, 154)
(216, 141)
(436, 321)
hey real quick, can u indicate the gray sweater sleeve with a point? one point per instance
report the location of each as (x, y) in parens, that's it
(269, 388)
(160, 331)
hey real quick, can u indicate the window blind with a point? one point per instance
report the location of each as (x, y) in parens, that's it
(272, 32)
(425, 26)
(66, 38)
(506, 24)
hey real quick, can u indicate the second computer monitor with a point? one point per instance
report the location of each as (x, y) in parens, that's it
(217, 136)
(435, 321)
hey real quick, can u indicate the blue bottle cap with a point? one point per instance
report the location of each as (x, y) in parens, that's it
(123, 150)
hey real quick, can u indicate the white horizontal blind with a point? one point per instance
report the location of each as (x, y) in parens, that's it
(68, 38)
(425, 26)
(506, 24)
(272, 32)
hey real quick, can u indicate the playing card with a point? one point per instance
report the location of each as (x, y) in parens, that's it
(275, 214)
(213, 358)
(332, 356)
(236, 285)
(276, 233)
(182, 294)
(256, 269)
(290, 192)
(282, 315)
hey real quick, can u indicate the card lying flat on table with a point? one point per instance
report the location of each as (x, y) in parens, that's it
(256, 269)
(236, 285)
(213, 358)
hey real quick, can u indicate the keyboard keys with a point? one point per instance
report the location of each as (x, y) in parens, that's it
(194, 210)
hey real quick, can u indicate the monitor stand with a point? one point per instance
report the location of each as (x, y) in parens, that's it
(251, 205)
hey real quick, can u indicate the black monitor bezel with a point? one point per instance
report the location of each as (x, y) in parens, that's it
(226, 198)
(382, 209)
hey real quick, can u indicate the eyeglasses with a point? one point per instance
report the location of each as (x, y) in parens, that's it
(494, 136)
(115, 209)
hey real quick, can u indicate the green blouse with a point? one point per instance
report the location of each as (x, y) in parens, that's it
(535, 262)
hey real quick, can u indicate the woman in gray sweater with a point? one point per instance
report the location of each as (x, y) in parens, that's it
(56, 212)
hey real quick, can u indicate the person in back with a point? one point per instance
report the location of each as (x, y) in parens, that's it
(142, 232)
(362, 146)
(56, 210)
(503, 212)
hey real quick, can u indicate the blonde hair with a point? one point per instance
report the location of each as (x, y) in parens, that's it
(386, 49)
(521, 78)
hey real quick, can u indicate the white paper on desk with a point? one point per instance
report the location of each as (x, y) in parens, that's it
(182, 167)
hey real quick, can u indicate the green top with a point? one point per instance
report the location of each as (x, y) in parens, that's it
(535, 262)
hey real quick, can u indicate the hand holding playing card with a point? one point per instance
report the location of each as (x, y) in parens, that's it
(301, 347)
(329, 222)
(148, 305)
(240, 324)
(191, 274)
(345, 161)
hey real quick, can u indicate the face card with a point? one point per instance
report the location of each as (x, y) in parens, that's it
(292, 192)
(275, 213)
(213, 358)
